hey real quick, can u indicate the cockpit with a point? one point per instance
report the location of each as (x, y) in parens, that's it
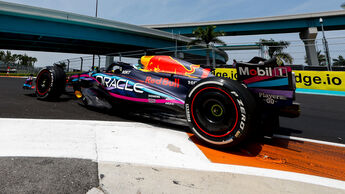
(118, 67)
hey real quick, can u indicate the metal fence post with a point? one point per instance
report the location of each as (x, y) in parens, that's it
(68, 65)
(213, 58)
(325, 44)
(93, 62)
(99, 61)
(81, 63)
(175, 46)
(120, 56)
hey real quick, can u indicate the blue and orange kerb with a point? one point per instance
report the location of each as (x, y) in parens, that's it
(282, 154)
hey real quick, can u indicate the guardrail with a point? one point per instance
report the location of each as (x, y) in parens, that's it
(15, 68)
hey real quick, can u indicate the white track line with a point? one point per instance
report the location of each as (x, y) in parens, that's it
(309, 140)
(127, 142)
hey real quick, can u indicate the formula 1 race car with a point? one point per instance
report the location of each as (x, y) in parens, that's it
(220, 112)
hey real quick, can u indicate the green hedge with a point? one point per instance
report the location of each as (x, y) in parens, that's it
(15, 74)
(27, 74)
(74, 73)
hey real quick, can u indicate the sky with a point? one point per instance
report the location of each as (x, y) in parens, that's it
(140, 12)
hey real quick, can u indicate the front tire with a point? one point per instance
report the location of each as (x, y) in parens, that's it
(220, 111)
(50, 83)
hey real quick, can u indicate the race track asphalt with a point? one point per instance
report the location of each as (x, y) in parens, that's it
(18, 103)
(322, 117)
(47, 175)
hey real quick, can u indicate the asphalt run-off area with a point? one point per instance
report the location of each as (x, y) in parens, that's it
(64, 147)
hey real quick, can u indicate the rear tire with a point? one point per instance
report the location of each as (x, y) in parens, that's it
(50, 83)
(220, 111)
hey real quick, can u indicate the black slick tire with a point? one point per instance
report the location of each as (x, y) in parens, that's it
(50, 83)
(220, 112)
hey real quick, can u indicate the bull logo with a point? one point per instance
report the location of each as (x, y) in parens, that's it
(167, 64)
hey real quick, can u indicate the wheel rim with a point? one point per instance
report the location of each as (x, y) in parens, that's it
(43, 82)
(214, 112)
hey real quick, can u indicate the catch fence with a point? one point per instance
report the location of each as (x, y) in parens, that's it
(198, 55)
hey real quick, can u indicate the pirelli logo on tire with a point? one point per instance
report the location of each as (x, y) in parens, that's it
(187, 112)
(242, 114)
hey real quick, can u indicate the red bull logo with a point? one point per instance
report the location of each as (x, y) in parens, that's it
(163, 81)
(167, 64)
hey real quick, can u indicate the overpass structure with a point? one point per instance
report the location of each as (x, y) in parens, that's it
(30, 28)
(307, 25)
(37, 29)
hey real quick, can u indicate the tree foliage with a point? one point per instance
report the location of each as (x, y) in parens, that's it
(320, 57)
(62, 64)
(340, 61)
(206, 36)
(9, 59)
(27, 61)
(275, 49)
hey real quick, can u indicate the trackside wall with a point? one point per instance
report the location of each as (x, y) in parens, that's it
(320, 80)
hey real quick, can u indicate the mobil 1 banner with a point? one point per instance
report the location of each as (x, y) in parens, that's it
(248, 71)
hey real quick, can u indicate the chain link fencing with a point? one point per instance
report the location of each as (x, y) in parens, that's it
(297, 50)
(210, 56)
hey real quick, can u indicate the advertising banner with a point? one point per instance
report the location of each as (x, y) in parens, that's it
(320, 80)
(230, 73)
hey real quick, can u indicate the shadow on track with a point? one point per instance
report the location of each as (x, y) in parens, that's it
(138, 117)
(288, 131)
(64, 98)
(249, 148)
(252, 147)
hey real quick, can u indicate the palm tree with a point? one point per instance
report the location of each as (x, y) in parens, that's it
(8, 58)
(275, 49)
(2, 55)
(33, 60)
(339, 62)
(320, 57)
(25, 60)
(63, 65)
(206, 36)
(15, 58)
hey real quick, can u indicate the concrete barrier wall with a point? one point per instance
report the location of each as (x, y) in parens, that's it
(320, 80)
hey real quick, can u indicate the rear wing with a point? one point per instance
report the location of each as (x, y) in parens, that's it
(269, 81)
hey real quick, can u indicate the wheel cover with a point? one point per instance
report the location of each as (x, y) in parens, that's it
(214, 112)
